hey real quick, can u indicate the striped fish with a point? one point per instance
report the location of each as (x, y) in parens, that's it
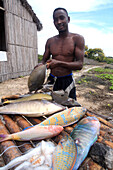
(65, 117)
(84, 135)
(64, 156)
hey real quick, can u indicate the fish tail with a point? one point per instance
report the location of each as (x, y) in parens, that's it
(7, 102)
(4, 137)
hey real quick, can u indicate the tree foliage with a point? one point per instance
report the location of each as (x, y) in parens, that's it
(40, 57)
(97, 54)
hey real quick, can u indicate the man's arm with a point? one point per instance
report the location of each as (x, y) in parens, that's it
(47, 54)
(79, 52)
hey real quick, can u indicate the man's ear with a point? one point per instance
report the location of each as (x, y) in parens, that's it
(68, 19)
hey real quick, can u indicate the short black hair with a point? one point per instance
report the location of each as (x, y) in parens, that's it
(60, 9)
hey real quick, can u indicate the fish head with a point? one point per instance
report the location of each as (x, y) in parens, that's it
(55, 129)
(80, 110)
(91, 122)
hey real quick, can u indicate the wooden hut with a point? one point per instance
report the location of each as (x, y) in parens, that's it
(18, 39)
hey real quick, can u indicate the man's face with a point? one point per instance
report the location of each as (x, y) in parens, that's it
(61, 20)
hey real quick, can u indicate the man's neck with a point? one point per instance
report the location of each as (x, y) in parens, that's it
(63, 34)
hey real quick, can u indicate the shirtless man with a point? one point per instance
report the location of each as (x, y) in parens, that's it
(67, 51)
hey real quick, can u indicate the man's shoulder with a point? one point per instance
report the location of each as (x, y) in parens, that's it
(77, 38)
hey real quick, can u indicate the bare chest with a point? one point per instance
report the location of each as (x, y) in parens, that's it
(63, 47)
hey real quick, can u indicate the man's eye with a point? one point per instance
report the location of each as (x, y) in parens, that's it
(62, 17)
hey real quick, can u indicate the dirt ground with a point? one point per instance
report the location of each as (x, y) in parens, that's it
(95, 95)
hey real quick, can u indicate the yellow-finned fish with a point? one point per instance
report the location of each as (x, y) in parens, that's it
(38, 96)
(32, 108)
(33, 133)
(65, 117)
(64, 156)
(36, 78)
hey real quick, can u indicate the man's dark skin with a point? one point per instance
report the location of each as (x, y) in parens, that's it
(67, 49)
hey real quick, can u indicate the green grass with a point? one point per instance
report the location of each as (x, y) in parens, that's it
(83, 80)
(101, 70)
(104, 74)
(107, 77)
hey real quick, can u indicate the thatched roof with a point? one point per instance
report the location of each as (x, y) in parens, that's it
(35, 18)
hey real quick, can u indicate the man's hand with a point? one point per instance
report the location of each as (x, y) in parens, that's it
(52, 63)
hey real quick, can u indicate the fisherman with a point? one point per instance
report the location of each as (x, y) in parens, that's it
(67, 51)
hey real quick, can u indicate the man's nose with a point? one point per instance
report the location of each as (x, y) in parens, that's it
(59, 21)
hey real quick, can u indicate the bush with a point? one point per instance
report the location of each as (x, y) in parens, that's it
(40, 57)
(98, 54)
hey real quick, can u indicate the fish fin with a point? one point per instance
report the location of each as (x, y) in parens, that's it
(7, 102)
(76, 155)
(28, 127)
(3, 137)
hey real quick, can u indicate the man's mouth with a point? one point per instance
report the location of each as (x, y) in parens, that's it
(60, 27)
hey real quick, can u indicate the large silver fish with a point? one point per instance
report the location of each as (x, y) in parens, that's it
(32, 108)
(36, 78)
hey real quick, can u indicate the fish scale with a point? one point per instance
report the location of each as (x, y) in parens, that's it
(64, 156)
(84, 135)
(66, 117)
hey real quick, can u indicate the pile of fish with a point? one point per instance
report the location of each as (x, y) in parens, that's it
(71, 150)
(48, 128)
(68, 154)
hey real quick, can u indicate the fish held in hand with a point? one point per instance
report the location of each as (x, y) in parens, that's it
(32, 108)
(37, 78)
(84, 136)
(65, 117)
(38, 96)
(64, 156)
(33, 133)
